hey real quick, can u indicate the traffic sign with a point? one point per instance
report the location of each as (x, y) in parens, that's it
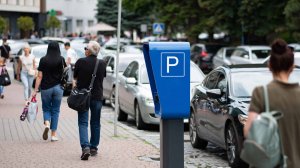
(158, 28)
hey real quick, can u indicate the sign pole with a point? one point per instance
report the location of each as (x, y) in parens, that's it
(171, 143)
(117, 68)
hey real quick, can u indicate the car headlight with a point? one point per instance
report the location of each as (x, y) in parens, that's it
(148, 101)
(242, 118)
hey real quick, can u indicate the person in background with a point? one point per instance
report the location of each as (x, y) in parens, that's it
(25, 64)
(49, 77)
(71, 60)
(84, 68)
(5, 54)
(2, 66)
(283, 97)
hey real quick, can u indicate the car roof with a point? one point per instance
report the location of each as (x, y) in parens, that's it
(254, 47)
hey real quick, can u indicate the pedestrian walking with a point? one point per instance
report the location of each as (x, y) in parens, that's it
(283, 97)
(4, 55)
(2, 66)
(50, 71)
(71, 60)
(26, 71)
(84, 68)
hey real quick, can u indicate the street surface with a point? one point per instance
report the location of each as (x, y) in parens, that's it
(21, 143)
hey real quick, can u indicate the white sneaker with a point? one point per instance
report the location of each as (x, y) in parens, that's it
(54, 138)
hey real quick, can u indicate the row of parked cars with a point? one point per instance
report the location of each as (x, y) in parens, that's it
(210, 56)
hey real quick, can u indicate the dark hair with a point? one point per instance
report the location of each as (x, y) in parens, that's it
(67, 44)
(282, 57)
(53, 55)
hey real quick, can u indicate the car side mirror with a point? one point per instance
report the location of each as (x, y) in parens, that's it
(214, 93)
(131, 81)
(109, 69)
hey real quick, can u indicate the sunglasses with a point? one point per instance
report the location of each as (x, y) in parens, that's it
(85, 48)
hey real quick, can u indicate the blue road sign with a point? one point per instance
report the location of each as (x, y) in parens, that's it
(158, 28)
(168, 66)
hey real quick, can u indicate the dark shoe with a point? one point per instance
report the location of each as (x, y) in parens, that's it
(85, 153)
(94, 152)
(2, 96)
(45, 134)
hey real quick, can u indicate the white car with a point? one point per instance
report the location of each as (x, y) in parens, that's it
(249, 54)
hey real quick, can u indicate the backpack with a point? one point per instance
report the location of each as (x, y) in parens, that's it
(262, 148)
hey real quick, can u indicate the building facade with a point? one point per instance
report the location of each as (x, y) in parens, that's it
(11, 10)
(75, 15)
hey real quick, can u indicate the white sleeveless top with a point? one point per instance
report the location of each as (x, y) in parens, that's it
(27, 62)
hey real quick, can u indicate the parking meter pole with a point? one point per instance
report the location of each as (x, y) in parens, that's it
(117, 68)
(171, 143)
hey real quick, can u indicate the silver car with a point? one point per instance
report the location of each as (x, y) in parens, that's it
(222, 57)
(135, 96)
(109, 82)
(249, 54)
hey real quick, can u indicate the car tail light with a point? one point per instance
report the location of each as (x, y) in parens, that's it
(203, 54)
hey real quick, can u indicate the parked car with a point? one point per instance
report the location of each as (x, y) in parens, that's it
(296, 59)
(109, 82)
(220, 104)
(202, 55)
(249, 54)
(135, 93)
(222, 57)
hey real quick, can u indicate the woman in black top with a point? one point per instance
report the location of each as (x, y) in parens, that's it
(49, 77)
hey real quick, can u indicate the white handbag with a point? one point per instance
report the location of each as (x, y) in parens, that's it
(32, 110)
(32, 72)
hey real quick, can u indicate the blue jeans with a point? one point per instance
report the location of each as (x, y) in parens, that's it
(83, 117)
(1, 90)
(51, 100)
(27, 81)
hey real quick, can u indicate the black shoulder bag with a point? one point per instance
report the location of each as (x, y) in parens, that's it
(79, 100)
(64, 77)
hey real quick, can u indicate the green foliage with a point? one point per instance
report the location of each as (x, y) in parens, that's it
(25, 23)
(292, 16)
(132, 16)
(2, 24)
(52, 22)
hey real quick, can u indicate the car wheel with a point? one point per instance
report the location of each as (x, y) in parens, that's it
(140, 124)
(112, 98)
(233, 148)
(196, 141)
(122, 116)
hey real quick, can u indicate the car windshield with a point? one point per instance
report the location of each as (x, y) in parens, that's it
(243, 83)
(144, 75)
(196, 75)
(123, 63)
(261, 53)
(39, 52)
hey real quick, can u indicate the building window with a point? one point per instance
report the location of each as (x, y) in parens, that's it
(12, 2)
(79, 25)
(28, 2)
(90, 23)
(3, 1)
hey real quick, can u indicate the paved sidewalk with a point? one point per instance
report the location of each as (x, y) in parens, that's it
(21, 143)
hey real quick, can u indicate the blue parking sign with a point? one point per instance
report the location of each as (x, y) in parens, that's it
(168, 67)
(172, 64)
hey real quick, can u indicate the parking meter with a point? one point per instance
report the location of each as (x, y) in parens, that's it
(168, 66)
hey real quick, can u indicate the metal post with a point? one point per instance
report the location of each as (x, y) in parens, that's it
(171, 143)
(117, 68)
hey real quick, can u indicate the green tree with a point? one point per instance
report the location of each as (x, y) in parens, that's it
(291, 11)
(132, 18)
(52, 23)
(2, 25)
(25, 24)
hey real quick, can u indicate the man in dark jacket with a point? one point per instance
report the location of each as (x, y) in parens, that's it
(5, 49)
(83, 71)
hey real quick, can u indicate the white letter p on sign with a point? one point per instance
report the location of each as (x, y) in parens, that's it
(169, 64)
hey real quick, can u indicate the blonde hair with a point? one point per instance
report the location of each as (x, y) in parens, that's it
(27, 46)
